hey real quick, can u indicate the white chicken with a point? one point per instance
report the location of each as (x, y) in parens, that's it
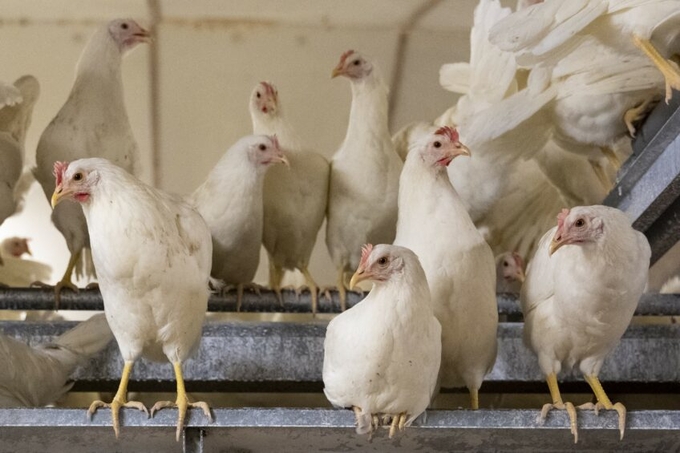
(92, 123)
(16, 271)
(295, 198)
(364, 179)
(40, 375)
(458, 262)
(153, 254)
(509, 272)
(581, 290)
(16, 110)
(230, 201)
(381, 357)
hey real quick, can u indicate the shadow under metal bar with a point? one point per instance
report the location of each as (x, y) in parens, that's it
(648, 184)
(292, 430)
(651, 304)
(277, 356)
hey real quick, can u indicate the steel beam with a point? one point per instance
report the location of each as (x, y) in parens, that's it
(648, 184)
(43, 299)
(294, 430)
(277, 356)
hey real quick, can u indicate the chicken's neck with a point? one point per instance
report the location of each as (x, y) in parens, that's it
(98, 73)
(428, 199)
(402, 296)
(368, 115)
(277, 125)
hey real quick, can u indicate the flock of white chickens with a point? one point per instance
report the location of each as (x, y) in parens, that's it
(563, 83)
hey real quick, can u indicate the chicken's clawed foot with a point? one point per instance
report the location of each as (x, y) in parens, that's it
(618, 407)
(571, 410)
(182, 404)
(57, 289)
(115, 406)
(637, 113)
(398, 422)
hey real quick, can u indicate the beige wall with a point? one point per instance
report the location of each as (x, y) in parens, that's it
(206, 73)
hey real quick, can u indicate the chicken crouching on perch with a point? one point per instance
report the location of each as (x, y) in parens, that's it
(153, 254)
(382, 356)
(581, 290)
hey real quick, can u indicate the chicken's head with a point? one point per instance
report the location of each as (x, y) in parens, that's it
(578, 225)
(74, 182)
(440, 148)
(127, 34)
(511, 267)
(264, 150)
(265, 99)
(379, 263)
(352, 65)
(16, 246)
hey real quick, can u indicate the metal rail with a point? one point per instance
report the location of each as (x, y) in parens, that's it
(280, 357)
(648, 184)
(294, 430)
(43, 299)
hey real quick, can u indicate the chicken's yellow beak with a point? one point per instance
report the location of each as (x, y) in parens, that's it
(337, 71)
(284, 160)
(359, 276)
(554, 245)
(58, 195)
(463, 150)
(521, 276)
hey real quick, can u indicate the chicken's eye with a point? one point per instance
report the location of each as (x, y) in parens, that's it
(579, 223)
(124, 26)
(505, 264)
(259, 95)
(262, 147)
(78, 176)
(437, 144)
(357, 62)
(382, 261)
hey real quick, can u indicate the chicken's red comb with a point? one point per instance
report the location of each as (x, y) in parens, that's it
(59, 170)
(449, 132)
(270, 89)
(365, 253)
(561, 218)
(344, 57)
(518, 259)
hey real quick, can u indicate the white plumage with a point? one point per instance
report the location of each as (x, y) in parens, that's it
(459, 264)
(381, 357)
(93, 122)
(582, 288)
(35, 376)
(364, 179)
(230, 201)
(153, 255)
(295, 198)
(16, 109)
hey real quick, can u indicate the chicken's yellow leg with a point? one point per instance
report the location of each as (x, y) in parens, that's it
(65, 281)
(342, 290)
(559, 404)
(474, 398)
(604, 401)
(182, 402)
(611, 157)
(313, 289)
(119, 400)
(669, 69)
(275, 277)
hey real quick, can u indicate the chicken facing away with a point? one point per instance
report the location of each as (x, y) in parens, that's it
(295, 198)
(34, 376)
(230, 201)
(153, 254)
(16, 271)
(509, 272)
(381, 357)
(581, 290)
(364, 178)
(16, 109)
(93, 122)
(457, 261)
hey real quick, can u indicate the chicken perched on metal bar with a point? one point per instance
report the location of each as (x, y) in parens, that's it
(581, 290)
(153, 255)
